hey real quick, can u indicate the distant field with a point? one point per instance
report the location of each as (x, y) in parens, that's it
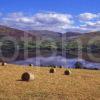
(80, 85)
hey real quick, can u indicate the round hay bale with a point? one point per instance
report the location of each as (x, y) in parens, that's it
(3, 64)
(52, 70)
(60, 66)
(27, 76)
(54, 66)
(67, 72)
(30, 64)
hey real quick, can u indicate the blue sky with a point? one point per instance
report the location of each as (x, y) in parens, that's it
(62, 6)
(80, 15)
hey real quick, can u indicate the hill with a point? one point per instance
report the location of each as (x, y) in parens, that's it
(15, 33)
(54, 35)
(51, 40)
(45, 33)
(80, 85)
(40, 34)
(88, 36)
(72, 35)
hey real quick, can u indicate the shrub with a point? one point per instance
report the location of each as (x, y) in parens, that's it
(78, 65)
(96, 69)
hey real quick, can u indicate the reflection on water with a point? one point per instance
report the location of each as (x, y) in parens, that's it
(57, 61)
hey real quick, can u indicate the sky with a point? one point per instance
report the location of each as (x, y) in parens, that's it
(54, 15)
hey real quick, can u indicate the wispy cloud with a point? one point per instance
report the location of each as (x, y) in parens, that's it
(88, 16)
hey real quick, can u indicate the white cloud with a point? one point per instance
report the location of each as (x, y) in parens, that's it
(92, 25)
(89, 22)
(52, 21)
(47, 21)
(88, 16)
(53, 18)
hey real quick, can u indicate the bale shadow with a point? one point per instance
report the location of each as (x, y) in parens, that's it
(22, 80)
(19, 80)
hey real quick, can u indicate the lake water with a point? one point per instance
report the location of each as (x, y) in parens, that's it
(57, 61)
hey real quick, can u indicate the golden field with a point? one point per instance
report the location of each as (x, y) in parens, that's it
(80, 85)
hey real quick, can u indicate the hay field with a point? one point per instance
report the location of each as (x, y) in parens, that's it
(80, 85)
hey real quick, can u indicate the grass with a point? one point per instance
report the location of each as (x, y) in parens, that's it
(80, 85)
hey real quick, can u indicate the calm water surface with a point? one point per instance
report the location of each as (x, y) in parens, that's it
(57, 61)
